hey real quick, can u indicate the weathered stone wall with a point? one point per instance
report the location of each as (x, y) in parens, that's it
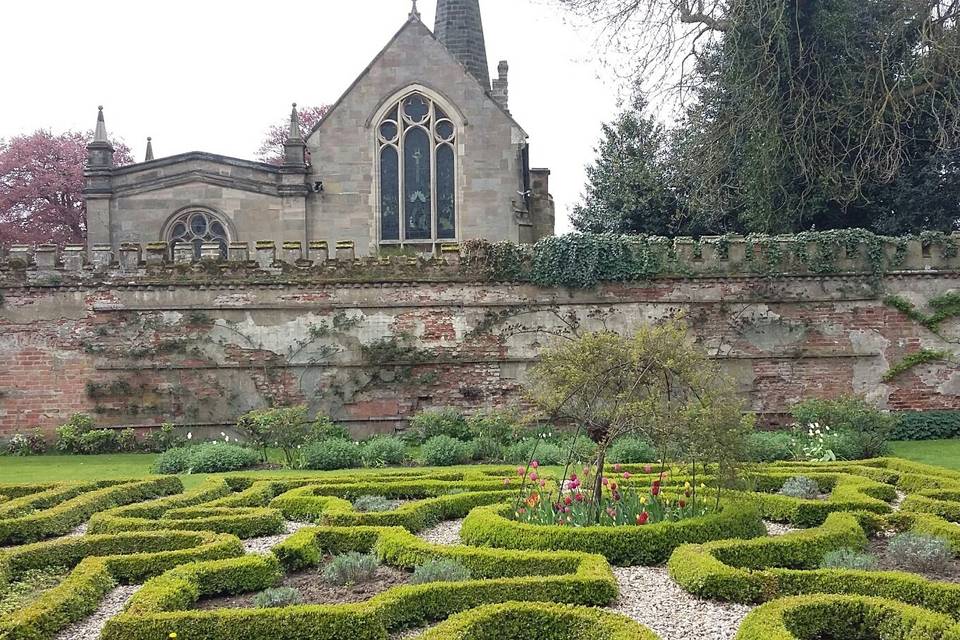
(373, 341)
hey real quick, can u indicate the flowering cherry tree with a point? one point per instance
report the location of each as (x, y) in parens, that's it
(271, 151)
(41, 187)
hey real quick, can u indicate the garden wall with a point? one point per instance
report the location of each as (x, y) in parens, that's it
(137, 339)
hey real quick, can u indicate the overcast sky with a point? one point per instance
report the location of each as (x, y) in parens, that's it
(212, 75)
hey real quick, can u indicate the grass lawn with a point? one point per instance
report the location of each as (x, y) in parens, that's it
(943, 453)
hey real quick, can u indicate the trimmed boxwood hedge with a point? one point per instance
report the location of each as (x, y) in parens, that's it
(753, 571)
(810, 617)
(529, 620)
(98, 563)
(65, 515)
(553, 576)
(630, 545)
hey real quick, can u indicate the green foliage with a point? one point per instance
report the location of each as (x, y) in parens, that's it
(445, 451)
(580, 449)
(800, 487)
(327, 455)
(546, 453)
(16, 595)
(438, 422)
(350, 569)
(920, 552)
(98, 441)
(163, 439)
(372, 504)
(847, 558)
(440, 570)
(284, 428)
(629, 184)
(26, 444)
(383, 451)
(486, 449)
(916, 359)
(867, 424)
(945, 306)
(631, 450)
(277, 597)
(326, 429)
(499, 425)
(209, 457)
(926, 425)
(770, 446)
(69, 433)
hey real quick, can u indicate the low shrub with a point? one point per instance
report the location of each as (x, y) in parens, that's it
(350, 569)
(848, 558)
(383, 451)
(327, 455)
(499, 425)
(926, 425)
(31, 443)
(277, 597)
(210, 457)
(438, 422)
(69, 433)
(800, 487)
(21, 592)
(440, 570)
(127, 441)
(546, 453)
(485, 449)
(578, 449)
(372, 504)
(868, 426)
(445, 451)
(920, 552)
(631, 450)
(770, 446)
(163, 439)
(98, 441)
(326, 429)
(284, 428)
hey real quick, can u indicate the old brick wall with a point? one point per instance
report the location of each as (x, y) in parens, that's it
(200, 344)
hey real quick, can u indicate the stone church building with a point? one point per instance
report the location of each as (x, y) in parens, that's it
(419, 152)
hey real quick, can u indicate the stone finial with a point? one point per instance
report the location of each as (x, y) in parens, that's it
(294, 146)
(501, 85)
(149, 155)
(414, 12)
(100, 134)
(460, 28)
(100, 151)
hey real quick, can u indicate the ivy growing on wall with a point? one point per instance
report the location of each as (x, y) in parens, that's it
(924, 356)
(584, 260)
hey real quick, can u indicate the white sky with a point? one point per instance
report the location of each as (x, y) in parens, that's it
(212, 75)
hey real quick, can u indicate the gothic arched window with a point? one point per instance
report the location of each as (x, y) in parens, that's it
(196, 227)
(416, 141)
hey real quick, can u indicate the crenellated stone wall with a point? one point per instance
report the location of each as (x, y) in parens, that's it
(148, 335)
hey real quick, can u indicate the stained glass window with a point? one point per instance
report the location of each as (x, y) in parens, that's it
(417, 146)
(197, 227)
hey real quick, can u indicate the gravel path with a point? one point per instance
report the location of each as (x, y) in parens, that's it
(444, 533)
(778, 529)
(79, 531)
(898, 501)
(111, 605)
(409, 633)
(263, 545)
(649, 596)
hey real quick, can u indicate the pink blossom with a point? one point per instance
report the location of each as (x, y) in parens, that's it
(627, 475)
(535, 464)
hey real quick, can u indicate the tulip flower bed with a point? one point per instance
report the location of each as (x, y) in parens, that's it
(538, 554)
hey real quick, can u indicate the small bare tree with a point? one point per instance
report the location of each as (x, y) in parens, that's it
(656, 383)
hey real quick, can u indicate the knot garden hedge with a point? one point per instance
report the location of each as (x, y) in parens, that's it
(527, 580)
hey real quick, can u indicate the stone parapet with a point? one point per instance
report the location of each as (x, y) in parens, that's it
(804, 255)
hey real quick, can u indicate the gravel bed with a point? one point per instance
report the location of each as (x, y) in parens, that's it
(408, 634)
(112, 604)
(649, 596)
(778, 529)
(79, 531)
(263, 545)
(444, 533)
(898, 501)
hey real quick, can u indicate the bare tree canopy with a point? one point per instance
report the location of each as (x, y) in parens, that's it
(795, 105)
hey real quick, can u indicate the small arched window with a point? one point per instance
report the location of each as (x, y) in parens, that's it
(416, 142)
(196, 227)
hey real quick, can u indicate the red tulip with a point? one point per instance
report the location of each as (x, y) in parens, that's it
(682, 503)
(642, 518)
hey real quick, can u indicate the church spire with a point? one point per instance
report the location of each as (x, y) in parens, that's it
(294, 147)
(149, 156)
(460, 28)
